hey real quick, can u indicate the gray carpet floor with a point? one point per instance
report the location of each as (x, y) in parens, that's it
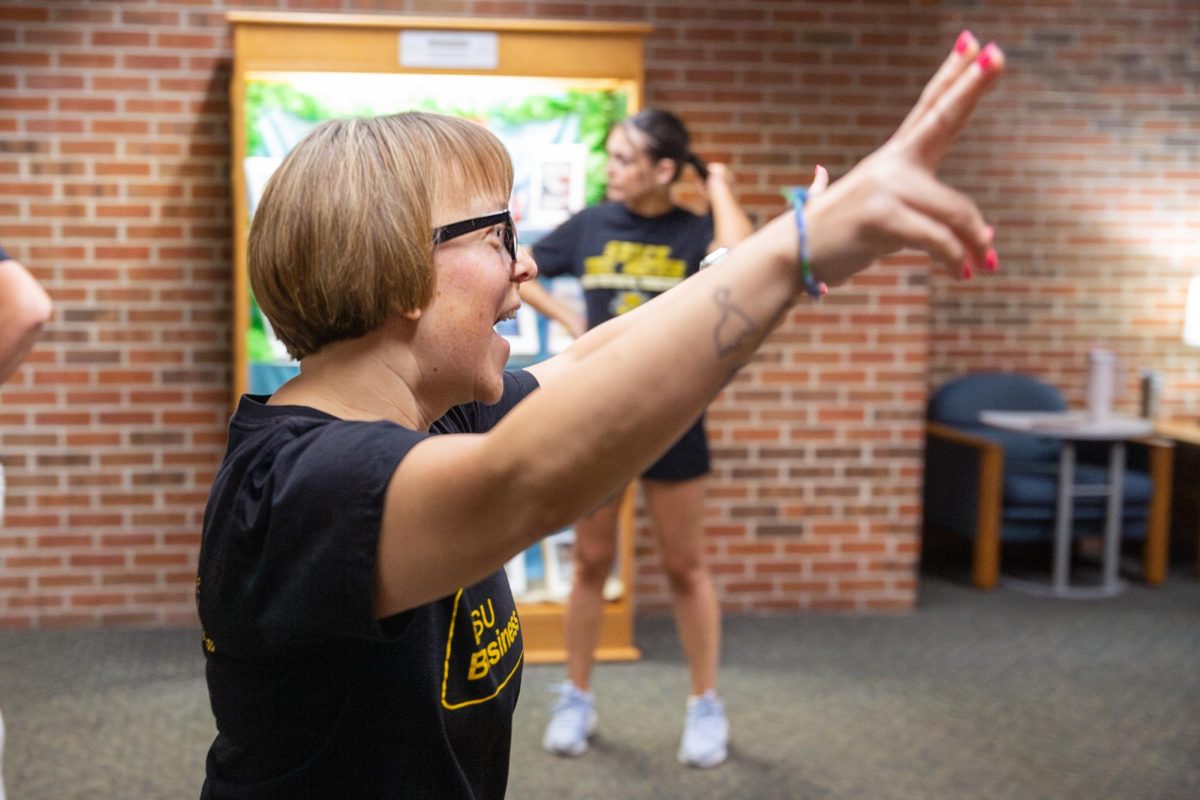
(995, 696)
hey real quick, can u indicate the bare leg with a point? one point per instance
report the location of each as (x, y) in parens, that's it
(593, 552)
(678, 513)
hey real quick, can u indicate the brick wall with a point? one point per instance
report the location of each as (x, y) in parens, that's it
(1091, 174)
(114, 190)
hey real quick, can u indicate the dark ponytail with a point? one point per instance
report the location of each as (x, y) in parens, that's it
(666, 136)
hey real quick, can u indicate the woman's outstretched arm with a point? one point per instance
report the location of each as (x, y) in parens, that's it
(459, 506)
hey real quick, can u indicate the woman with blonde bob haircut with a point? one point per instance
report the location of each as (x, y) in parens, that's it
(365, 189)
(360, 635)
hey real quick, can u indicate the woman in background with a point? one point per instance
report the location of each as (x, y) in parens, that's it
(626, 251)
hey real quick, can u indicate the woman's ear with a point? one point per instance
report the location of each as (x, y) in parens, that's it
(412, 314)
(665, 171)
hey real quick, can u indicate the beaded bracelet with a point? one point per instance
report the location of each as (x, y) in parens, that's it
(815, 288)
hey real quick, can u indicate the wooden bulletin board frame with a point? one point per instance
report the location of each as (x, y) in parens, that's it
(266, 42)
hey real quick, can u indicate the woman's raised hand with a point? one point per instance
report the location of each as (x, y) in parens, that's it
(719, 171)
(719, 175)
(892, 199)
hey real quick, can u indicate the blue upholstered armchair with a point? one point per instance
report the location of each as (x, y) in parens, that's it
(993, 486)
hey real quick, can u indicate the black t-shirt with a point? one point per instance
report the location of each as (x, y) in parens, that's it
(621, 258)
(313, 696)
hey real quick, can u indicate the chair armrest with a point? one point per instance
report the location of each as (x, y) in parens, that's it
(952, 435)
(1161, 456)
(989, 485)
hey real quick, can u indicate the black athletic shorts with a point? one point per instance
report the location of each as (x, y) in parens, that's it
(687, 458)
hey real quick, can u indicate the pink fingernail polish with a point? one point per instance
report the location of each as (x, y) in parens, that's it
(965, 40)
(990, 232)
(987, 56)
(967, 273)
(991, 261)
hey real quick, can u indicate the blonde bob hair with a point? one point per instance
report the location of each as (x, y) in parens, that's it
(343, 234)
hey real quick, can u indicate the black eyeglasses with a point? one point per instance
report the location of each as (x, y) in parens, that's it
(456, 229)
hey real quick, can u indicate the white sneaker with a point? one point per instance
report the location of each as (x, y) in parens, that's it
(572, 721)
(705, 741)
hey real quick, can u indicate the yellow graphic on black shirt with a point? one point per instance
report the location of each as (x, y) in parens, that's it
(633, 267)
(481, 660)
(623, 302)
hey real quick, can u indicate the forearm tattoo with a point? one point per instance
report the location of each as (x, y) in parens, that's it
(734, 328)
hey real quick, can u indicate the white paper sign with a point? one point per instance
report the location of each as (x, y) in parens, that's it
(449, 49)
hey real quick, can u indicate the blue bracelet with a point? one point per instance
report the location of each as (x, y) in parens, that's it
(814, 287)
